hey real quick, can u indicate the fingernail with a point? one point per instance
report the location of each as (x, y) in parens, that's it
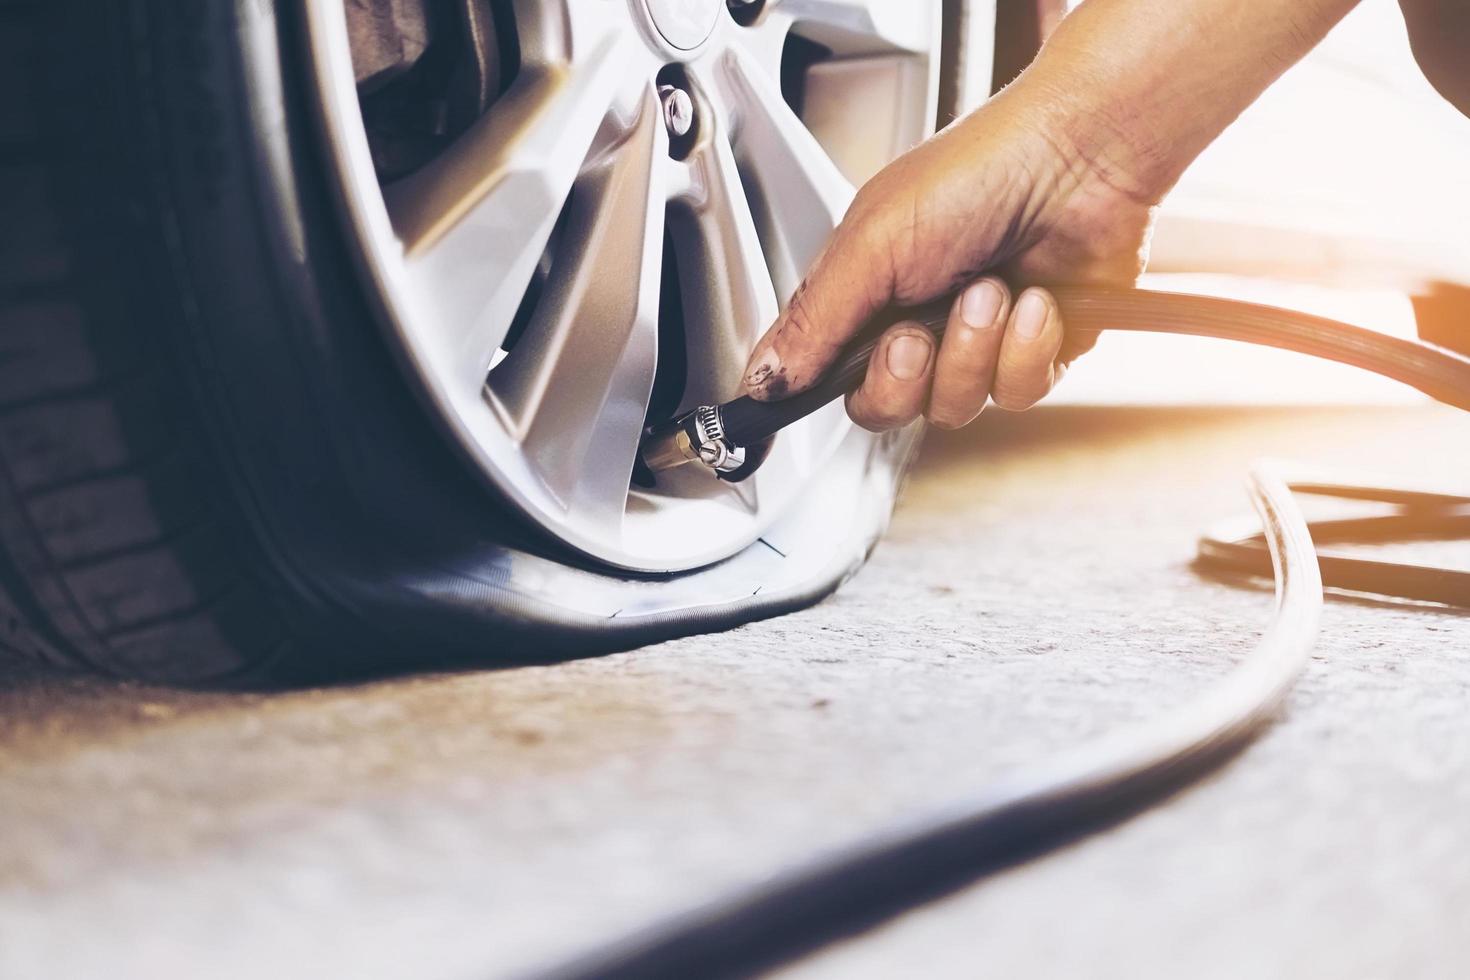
(908, 356)
(980, 304)
(762, 369)
(1031, 315)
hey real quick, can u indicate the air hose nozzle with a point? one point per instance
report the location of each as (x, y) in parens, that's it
(694, 437)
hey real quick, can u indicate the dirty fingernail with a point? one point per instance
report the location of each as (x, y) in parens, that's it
(980, 304)
(1031, 315)
(761, 371)
(908, 356)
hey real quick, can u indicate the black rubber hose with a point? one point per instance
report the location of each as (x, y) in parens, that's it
(1441, 374)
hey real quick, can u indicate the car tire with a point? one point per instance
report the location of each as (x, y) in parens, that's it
(211, 467)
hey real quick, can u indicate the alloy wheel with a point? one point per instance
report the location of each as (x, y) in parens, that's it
(599, 241)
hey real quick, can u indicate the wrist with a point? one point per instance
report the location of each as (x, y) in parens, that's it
(1138, 89)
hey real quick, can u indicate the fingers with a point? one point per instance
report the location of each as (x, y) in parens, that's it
(991, 349)
(897, 383)
(1026, 369)
(968, 353)
(839, 294)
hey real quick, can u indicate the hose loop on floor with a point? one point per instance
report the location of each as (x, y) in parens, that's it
(1015, 818)
(1059, 799)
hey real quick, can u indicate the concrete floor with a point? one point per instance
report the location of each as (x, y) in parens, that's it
(1034, 590)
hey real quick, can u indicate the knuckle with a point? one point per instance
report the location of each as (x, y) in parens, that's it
(873, 416)
(865, 204)
(953, 407)
(870, 423)
(949, 420)
(859, 411)
(875, 224)
(801, 324)
(882, 421)
(871, 200)
(1015, 398)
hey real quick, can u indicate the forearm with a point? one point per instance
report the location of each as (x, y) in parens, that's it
(1439, 31)
(1146, 85)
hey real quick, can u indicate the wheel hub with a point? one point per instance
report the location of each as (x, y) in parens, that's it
(684, 24)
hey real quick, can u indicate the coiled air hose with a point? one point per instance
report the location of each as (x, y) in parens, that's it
(1093, 786)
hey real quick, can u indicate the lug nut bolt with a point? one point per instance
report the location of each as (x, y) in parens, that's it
(745, 11)
(678, 110)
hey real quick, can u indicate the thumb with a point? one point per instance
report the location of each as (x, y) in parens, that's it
(850, 281)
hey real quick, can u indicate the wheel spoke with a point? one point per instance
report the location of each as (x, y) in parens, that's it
(575, 388)
(475, 221)
(526, 150)
(859, 27)
(797, 192)
(729, 299)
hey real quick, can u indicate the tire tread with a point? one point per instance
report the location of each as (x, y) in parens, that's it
(115, 556)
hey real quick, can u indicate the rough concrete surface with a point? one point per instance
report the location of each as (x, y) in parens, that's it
(1034, 590)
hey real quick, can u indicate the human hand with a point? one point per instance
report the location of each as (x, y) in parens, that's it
(1003, 201)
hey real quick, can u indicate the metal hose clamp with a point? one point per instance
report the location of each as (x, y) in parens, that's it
(711, 443)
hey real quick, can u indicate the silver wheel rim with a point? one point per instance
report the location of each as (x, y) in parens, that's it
(449, 251)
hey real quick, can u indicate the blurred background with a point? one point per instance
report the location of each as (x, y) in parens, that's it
(1348, 183)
